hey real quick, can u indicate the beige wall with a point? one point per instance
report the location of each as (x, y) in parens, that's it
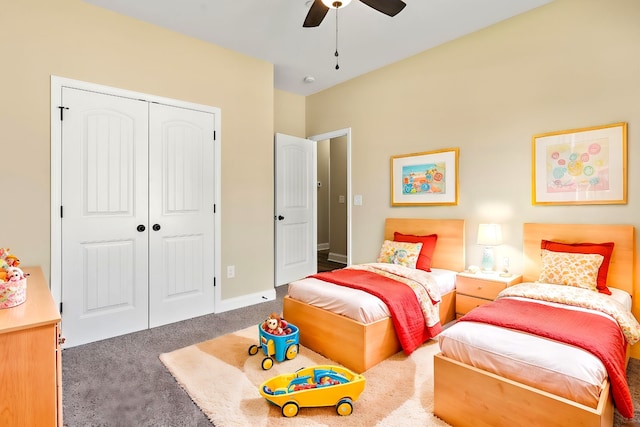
(566, 65)
(70, 38)
(289, 117)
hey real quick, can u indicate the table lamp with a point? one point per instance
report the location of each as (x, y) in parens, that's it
(489, 235)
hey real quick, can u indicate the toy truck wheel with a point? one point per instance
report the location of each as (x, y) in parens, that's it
(253, 350)
(292, 351)
(267, 363)
(290, 409)
(344, 406)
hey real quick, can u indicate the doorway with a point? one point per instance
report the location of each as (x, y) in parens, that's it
(296, 186)
(334, 243)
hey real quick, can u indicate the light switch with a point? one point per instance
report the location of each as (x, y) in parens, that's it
(341, 199)
(357, 200)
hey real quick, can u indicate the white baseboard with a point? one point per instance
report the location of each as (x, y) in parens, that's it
(245, 301)
(333, 257)
(323, 246)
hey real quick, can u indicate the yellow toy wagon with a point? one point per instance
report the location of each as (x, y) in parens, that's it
(321, 385)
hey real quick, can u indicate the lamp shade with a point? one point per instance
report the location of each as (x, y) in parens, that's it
(489, 234)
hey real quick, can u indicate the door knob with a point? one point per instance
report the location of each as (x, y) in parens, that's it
(141, 228)
(280, 217)
(156, 227)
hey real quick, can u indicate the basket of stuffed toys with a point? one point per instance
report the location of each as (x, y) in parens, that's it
(13, 283)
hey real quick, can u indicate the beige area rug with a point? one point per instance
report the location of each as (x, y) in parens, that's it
(223, 380)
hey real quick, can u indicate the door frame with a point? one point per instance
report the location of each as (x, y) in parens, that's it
(57, 83)
(336, 134)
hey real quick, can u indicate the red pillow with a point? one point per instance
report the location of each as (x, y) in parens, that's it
(428, 246)
(604, 249)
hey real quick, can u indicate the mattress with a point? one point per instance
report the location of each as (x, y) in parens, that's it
(548, 365)
(354, 303)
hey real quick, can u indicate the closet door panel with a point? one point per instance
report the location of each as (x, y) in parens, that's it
(181, 203)
(104, 200)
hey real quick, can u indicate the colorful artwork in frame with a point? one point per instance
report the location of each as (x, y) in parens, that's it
(581, 166)
(427, 178)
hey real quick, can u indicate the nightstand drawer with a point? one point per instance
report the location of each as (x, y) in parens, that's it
(465, 303)
(478, 287)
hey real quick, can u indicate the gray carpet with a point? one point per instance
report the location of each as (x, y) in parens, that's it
(121, 381)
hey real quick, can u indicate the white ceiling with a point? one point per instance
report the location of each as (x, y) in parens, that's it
(271, 30)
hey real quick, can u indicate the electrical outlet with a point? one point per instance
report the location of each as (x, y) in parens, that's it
(231, 271)
(505, 261)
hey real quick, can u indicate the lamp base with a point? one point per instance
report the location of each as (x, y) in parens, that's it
(488, 260)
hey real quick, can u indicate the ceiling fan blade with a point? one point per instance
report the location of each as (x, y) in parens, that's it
(316, 14)
(388, 7)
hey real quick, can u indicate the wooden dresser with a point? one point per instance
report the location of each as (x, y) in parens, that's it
(474, 290)
(30, 358)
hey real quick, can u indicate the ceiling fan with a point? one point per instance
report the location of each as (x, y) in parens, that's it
(319, 9)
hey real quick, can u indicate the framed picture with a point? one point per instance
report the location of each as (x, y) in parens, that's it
(581, 166)
(428, 178)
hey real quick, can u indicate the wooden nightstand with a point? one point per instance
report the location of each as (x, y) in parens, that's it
(474, 290)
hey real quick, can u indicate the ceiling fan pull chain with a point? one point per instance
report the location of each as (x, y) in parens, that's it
(336, 54)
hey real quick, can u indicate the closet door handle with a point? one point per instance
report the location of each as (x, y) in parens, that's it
(156, 227)
(141, 228)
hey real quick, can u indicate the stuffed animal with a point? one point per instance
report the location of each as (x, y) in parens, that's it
(275, 325)
(7, 260)
(15, 274)
(12, 261)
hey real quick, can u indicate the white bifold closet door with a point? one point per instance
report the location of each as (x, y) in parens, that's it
(137, 215)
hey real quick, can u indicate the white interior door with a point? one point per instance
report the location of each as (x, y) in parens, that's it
(295, 208)
(105, 212)
(181, 208)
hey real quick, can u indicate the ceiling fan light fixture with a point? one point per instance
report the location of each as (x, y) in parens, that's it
(333, 4)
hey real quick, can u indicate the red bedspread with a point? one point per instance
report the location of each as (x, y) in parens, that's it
(401, 300)
(596, 334)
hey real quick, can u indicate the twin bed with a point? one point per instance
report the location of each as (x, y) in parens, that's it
(481, 396)
(360, 345)
(466, 392)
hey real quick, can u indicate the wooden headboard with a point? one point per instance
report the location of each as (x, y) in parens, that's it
(621, 269)
(450, 250)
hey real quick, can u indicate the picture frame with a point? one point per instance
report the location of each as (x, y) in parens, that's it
(425, 179)
(586, 166)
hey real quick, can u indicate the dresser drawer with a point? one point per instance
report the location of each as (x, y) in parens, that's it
(478, 287)
(465, 303)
